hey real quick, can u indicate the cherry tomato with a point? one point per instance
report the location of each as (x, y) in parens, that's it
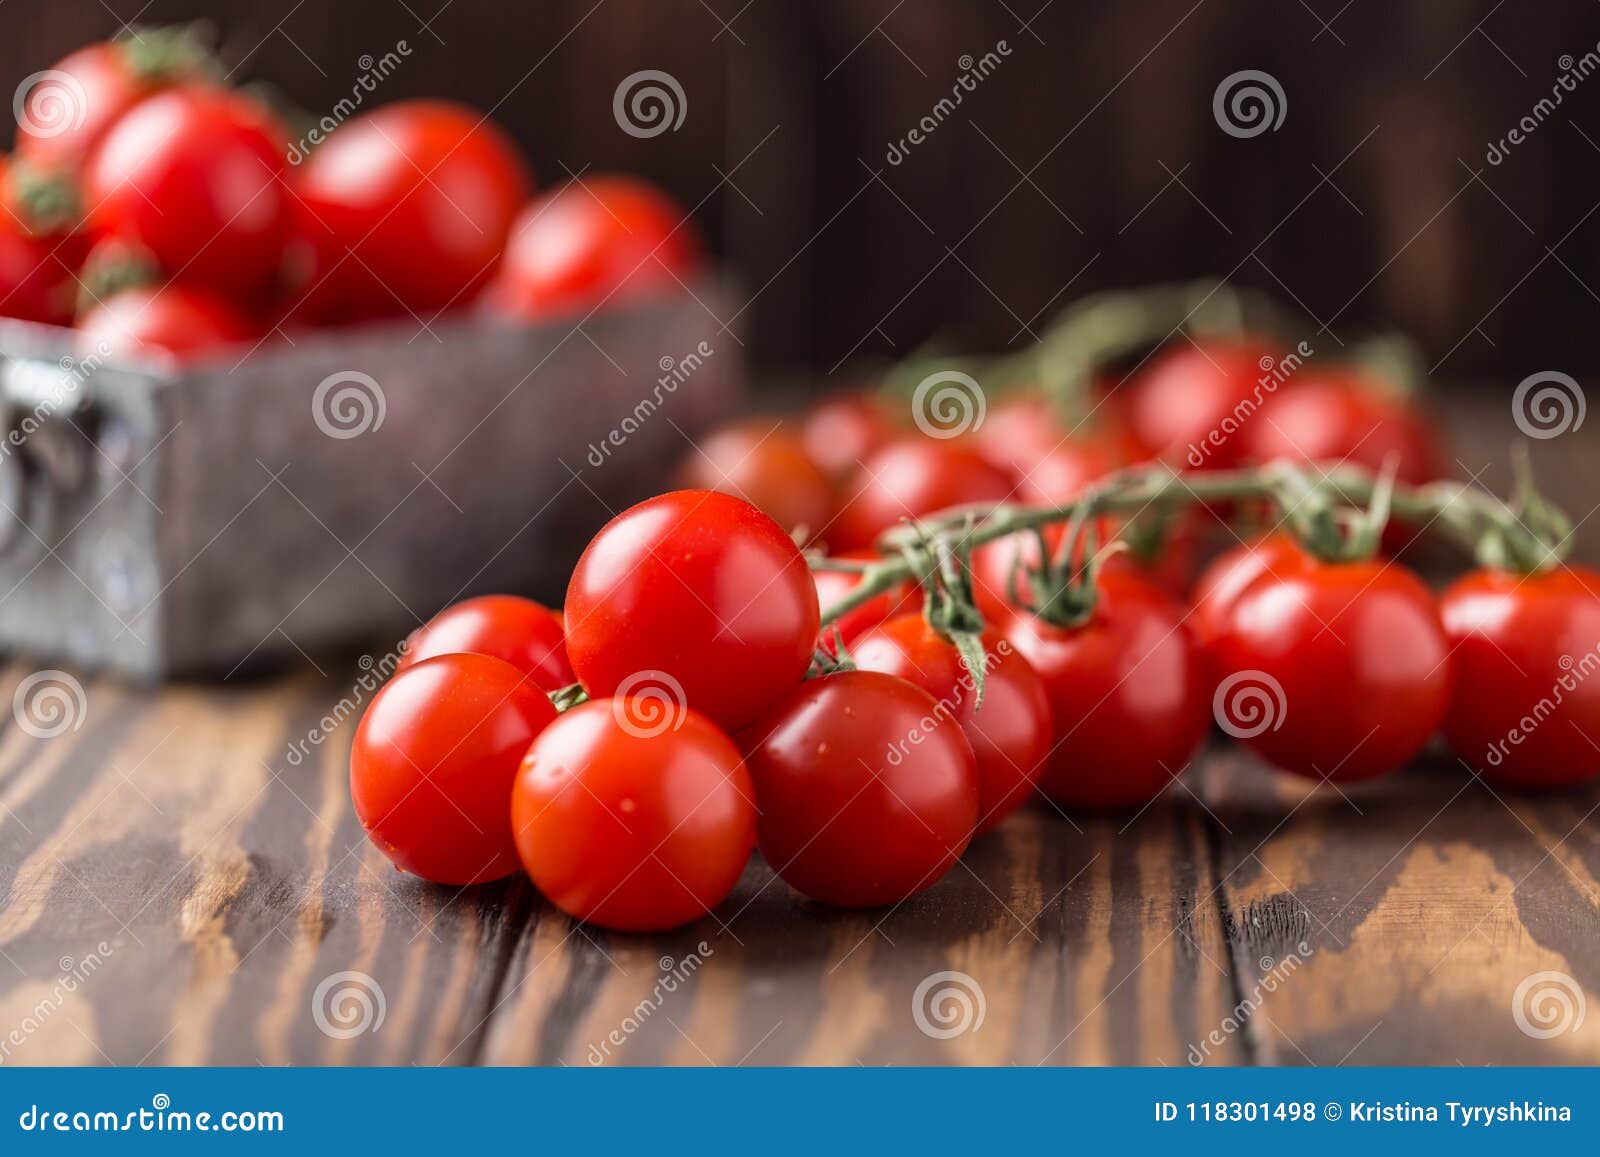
(36, 274)
(696, 591)
(1524, 708)
(1232, 572)
(1000, 588)
(1337, 415)
(1020, 430)
(433, 761)
(908, 479)
(867, 793)
(1189, 405)
(195, 176)
(520, 631)
(75, 102)
(180, 322)
(1126, 691)
(1059, 473)
(766, 465)
(407, 208)
(593, 241)
(1011, 732)
(1333, 671)
(841, 432)
(833, 585)
(634, 814)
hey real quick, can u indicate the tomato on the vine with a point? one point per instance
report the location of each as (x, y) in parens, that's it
(433, 761)
(406, 208)
(833, 585)
(766, 465)
(522, 632)
(1232, 572)
(195, 176)
(1010, 732)
(36, 274)
(840, 432)
(867, 793)
(595, 240)
(694, 589)
(1524, 710)
(1126, 692)
(910, 478)
(634, 814)
(1019, 430)
(1337, 671)
(1338, 415)
(1189, 405)
(181, 322)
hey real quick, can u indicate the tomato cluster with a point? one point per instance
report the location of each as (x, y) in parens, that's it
(167, 214)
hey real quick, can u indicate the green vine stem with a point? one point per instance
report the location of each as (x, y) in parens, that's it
(1531, 536)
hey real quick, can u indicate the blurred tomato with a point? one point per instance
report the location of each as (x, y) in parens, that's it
(406, 208)
(842, 431)
(36, 271)
(1190, 404)
(195, 176)
(1018, 431)
(595, 240)
(524, 633)
(183, 322)
(74, 103)
(763, 462)
(911, 478)
(1339, 415)
(1060, 473)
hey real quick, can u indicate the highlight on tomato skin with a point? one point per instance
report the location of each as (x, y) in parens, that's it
(1525, 649)
(180, 324)
(867, 793)
(520, 631)
(909, 478)
(764, 462)
(433, 761)
(698, 590)
(634, 814)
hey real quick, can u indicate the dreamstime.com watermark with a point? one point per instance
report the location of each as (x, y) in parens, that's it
(1548, 1004)
(1249, 703)
(49, 703)
(1274, 974)
(1248, 103)
(347, 404)
(1573, 73)
(1548, 404)
(75, 973)
(1574, 672)
(374, 673)
(160, 1117)
(944, 711)
(674, 974)
(674, 372)
(374, 71)
(648, 103)
(1274, 373)
(948, 1004)
(347, 1004)
(649, 703)
(947, 404)
(973, 73)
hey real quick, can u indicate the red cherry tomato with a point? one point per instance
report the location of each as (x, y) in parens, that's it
(833, 585)
(180, 322)
(1018, 431)
(867, 794)
(1190, 404)
(698, 592)
(406, 208)
(841, 432)
(634, 814)
(433, 761)
(36, 274)
(593, 241)
(766, 465)
(1060, 472)
(1010, 733)
(1340, 416)
(1126, 693)
(1230, 574)
(1333, 671)
(1525, 704)
(908, 479)
(75, 103)
(520, 631)
(195, 176)
(1000, 588)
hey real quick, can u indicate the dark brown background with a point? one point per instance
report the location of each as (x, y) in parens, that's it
(1090, 158)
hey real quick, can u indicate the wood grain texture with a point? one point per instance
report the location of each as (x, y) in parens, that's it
(177, 885)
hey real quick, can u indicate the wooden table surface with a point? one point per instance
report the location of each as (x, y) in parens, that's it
(176, 888)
